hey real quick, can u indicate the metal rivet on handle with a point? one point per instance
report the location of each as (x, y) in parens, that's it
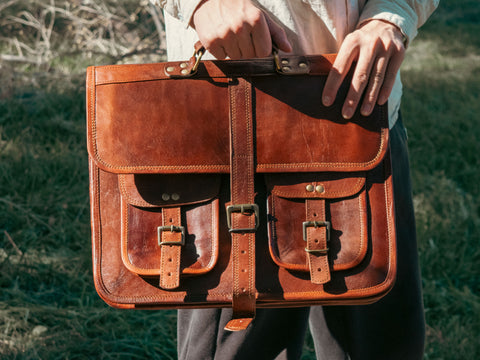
(170, 69)
(165, 197)
(309, 188)
(175, 196)
(183, 65)
(320, 189)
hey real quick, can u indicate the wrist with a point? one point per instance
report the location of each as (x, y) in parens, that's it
(394, 27)
(192, 18)
(401, 33)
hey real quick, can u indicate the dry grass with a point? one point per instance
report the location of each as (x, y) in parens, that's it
(41, 37)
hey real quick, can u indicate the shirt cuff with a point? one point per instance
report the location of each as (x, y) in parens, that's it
(180, 9)
(398, 14)
(188, 8)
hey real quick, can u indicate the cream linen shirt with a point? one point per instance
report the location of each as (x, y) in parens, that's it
(312, 26)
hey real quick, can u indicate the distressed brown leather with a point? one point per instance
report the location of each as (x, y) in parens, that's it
(243, 220)
(172, 153)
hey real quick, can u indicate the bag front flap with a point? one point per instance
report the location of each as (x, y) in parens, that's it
(158, 124)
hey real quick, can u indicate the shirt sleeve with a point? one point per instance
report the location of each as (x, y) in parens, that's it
(180, 9)
(407, 15)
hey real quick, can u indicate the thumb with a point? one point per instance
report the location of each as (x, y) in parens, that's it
(279, 37)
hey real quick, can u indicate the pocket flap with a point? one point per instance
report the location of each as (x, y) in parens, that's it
(315, 185)
(154, 190)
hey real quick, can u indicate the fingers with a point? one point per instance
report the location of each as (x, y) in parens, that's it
(237, 29)
(278, 35)
(378, 51)
(390, 76)
(264, 37)
(375, 83)
(361, 77)
(339, 71)
(218, 52)
(261, 38)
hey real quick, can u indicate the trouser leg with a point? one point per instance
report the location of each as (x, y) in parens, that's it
(274, 334)
(393, 327)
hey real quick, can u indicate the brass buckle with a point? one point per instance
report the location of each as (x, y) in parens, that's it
(198, 56)
(276, 58)
(171, 228)
(316, 224)
(244, 209)
(297, 65)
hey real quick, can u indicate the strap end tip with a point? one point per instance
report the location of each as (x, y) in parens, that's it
(238, 324)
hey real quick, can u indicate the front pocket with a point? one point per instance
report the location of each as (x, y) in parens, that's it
(328, 207)
(169, 225)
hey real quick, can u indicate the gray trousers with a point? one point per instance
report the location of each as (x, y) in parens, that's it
(392, 328)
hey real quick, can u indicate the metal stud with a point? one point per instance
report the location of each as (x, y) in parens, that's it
(183, 65)
(302, 65)
(170, 69)
(165, 197)
(320, 189)
(284, 62)
(185, 72)
(175, 197)
(310, 188)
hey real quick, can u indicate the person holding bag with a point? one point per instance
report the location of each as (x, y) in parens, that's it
(371, 37)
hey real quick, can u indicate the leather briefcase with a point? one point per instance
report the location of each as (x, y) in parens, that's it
(229, 184)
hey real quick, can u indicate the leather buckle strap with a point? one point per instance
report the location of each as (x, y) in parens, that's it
(242, 224)
(244, 209)
(171, 228)
(171, 238)
(316, 224)
(316, 232)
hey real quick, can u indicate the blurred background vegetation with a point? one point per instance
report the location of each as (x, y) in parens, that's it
(48, 305)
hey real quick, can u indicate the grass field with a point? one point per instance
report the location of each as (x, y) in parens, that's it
(48, 305)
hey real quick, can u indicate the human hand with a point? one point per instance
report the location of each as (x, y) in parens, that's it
(237, 29)
(378, 48)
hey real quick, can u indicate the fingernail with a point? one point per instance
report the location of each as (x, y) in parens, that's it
(347, 113)
(327, 100)
(288, 47)
(382, 100)
(366, 109)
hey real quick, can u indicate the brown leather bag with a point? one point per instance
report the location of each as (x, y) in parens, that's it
(229, 184)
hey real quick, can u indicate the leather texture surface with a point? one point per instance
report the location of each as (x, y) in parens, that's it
(171, 155)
